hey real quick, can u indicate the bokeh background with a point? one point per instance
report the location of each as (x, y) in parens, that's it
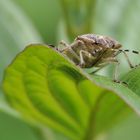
(24, 22)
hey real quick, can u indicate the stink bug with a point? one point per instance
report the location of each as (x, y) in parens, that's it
(91, 50)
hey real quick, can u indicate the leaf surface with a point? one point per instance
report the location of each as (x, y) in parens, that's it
(48, 89)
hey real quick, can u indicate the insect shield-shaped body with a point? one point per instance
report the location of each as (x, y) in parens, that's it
(92, 50)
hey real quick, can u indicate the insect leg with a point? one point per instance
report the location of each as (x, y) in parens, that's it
(115, 74)
(102, 66)
(127, 58)
(133, 51)
(116, 63)
(105, 62)
(82, 52)
(77, 43)
(63, 43)
(71, 46)
(81, 58)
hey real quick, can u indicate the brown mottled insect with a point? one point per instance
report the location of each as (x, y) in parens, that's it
(91, 50)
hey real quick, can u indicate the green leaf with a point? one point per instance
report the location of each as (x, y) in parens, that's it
(48, 89)
(16, 31)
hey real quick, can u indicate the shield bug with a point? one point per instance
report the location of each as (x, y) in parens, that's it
(91, 50)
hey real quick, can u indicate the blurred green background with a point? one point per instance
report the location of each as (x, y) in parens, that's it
(48, 21)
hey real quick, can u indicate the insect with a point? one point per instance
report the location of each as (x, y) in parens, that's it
(91, 50)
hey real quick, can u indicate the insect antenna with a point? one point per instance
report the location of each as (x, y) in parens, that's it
(127, 58)
(132, 51)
